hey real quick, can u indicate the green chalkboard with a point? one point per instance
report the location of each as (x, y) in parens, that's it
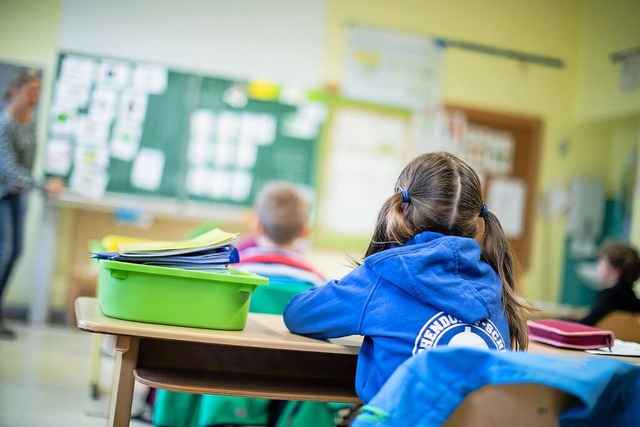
(202, 138)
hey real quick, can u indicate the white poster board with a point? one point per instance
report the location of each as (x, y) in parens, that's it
(507, 200)
(392, 68)
(363, 163)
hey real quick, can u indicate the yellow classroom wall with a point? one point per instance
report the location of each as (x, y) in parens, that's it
(547, 28)
(567, 100)
(600, 105)
(606, 27)
(28, 35)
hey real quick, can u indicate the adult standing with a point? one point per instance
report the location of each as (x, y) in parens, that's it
(17, 153)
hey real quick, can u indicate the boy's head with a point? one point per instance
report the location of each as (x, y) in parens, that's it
(282, 213)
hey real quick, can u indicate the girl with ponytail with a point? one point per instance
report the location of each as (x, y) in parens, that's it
(438, 271)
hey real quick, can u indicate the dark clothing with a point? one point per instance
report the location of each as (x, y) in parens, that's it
(12, 214)
(620, 297)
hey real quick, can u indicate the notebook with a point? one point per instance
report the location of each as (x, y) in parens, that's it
(561, 333)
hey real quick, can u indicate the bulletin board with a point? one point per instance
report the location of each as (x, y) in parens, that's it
(126, 127)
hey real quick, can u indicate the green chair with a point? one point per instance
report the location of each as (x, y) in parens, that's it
(274, 298)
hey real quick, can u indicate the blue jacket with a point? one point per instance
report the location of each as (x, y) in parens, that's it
(426, 389)
(432, 291)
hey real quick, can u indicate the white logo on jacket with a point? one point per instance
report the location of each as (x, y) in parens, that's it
(444, 329)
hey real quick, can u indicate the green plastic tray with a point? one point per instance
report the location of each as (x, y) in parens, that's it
(174, 296)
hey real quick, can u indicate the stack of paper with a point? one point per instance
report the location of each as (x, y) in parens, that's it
(212, 251)
(620, 348)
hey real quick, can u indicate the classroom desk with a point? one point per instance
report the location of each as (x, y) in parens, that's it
(537, 347)
(263, 360)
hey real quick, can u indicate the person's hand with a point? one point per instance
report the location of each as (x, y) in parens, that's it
(54, 187)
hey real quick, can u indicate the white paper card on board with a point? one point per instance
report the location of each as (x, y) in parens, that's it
(113, 75)
(202, 125)
(58, 157)
(246, 156)
(78, 70)
(103, 105)
(241, 186)
(229, 125)
(63, 120)
(87, 156)
(90, 131)
(150, 78)
(506, 199)
(200, 181)
(221, 186)
(148, 169)
(257, 128)
(71, 94)
(225, 154)
(300, 126)
(200, 153)
(314, 111)
(89, 182)
(126, 140)
(133, 106)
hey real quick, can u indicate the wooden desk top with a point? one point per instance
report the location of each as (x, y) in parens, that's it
(262, 331)
(536, 347)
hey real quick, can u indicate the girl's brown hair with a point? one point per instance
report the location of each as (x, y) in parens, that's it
(22, 78)
(446, 197)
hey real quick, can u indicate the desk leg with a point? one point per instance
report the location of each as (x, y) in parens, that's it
(39, 305)
(123, 381)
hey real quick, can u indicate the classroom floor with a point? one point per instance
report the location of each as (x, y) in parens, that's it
(45, 377)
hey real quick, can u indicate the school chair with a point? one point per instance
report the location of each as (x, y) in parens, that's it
(464, 387)
(625, 325)
(274, 298)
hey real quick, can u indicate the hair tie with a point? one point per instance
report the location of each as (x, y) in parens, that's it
(483, 211)
(405, 196)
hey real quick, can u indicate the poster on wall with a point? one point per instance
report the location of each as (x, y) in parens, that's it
(364, 160)
(507, 198)
(391, 68)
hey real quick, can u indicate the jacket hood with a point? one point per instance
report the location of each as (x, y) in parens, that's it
(444, 272)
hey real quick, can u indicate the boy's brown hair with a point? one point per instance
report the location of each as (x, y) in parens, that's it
(282, 212)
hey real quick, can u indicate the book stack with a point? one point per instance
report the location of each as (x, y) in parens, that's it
(211, 251)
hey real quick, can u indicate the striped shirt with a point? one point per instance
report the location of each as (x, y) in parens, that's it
(279, 263)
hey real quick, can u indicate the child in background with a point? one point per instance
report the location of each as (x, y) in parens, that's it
(282, 224)
(438, 271)
(618, 269)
